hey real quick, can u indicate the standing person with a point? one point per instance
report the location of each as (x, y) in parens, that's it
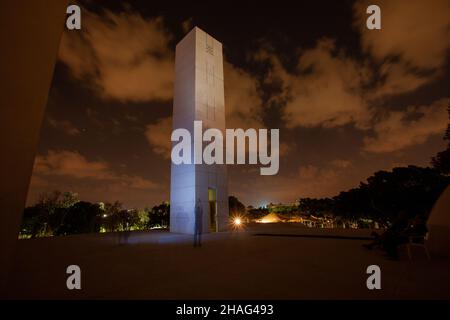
(125, 235)
(198, 224)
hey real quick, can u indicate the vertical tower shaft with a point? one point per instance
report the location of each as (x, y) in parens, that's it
(199, 95)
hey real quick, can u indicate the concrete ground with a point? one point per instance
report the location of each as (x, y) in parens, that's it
(256, 263)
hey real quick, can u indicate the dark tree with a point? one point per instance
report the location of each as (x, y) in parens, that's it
(128, 219)
(441, 161)
(235, 207)
(68, 199)
(46, 215)
(159, 216)
(111, 219)
(257, 213)
(82, 217)
(34, 221)
(317, 207)
(411, 189)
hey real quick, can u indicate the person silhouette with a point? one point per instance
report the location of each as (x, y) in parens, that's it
(198, 224)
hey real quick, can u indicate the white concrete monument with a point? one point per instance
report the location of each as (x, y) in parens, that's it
(199, 95)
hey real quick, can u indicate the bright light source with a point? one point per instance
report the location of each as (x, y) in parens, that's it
(105, 215)
(237, 222)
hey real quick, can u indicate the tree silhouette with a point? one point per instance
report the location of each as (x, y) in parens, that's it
(235, 207)
(159, 216)
(441, 161)
(412, 190)
(81, 217)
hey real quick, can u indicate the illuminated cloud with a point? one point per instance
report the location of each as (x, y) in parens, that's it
(416, 31)
(243, 104)
(325, 89)
(72, 164)
(121, 56)
(327, 176)
(158, 136)
(412, 46)
(126, 57)
(341, 163)
(399, 130)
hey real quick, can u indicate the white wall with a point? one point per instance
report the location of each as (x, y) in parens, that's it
(199, 95)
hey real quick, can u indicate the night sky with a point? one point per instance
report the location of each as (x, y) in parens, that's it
(348, 101)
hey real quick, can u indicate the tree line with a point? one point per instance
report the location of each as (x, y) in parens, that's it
(412, 190)
(62, 213)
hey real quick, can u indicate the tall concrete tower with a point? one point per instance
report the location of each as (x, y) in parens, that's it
(199, 95)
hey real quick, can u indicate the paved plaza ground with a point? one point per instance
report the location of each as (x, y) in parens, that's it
(265, 261)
